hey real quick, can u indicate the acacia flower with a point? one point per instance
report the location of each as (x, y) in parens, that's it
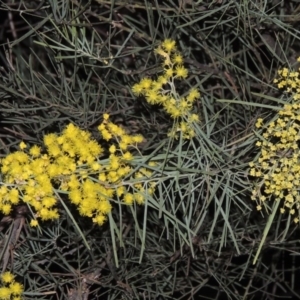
(106, 135)
(5, 293)
(104, 207)
(194, 118)
(181, 72)
(137, 138)
(99, 219)
(35, 151)
(127, 156)
(193, 94)
(7, 277)
(139, 198)
(177, 58)
(152, 97)
(259, 122)
(162, 79)
(168, 72)
(145, 83)
(169, 45)
(16, 288)
(22, 145)
(50, 139)
(34, 223)
(128, 198)
(137, 89)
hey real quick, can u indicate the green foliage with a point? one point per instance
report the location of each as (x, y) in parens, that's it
(197, 234)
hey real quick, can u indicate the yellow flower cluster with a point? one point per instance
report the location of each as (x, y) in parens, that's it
(72, 166)
(163, 90)
(279, 162)
(118, 166)
(10, 289)
(290, 81)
